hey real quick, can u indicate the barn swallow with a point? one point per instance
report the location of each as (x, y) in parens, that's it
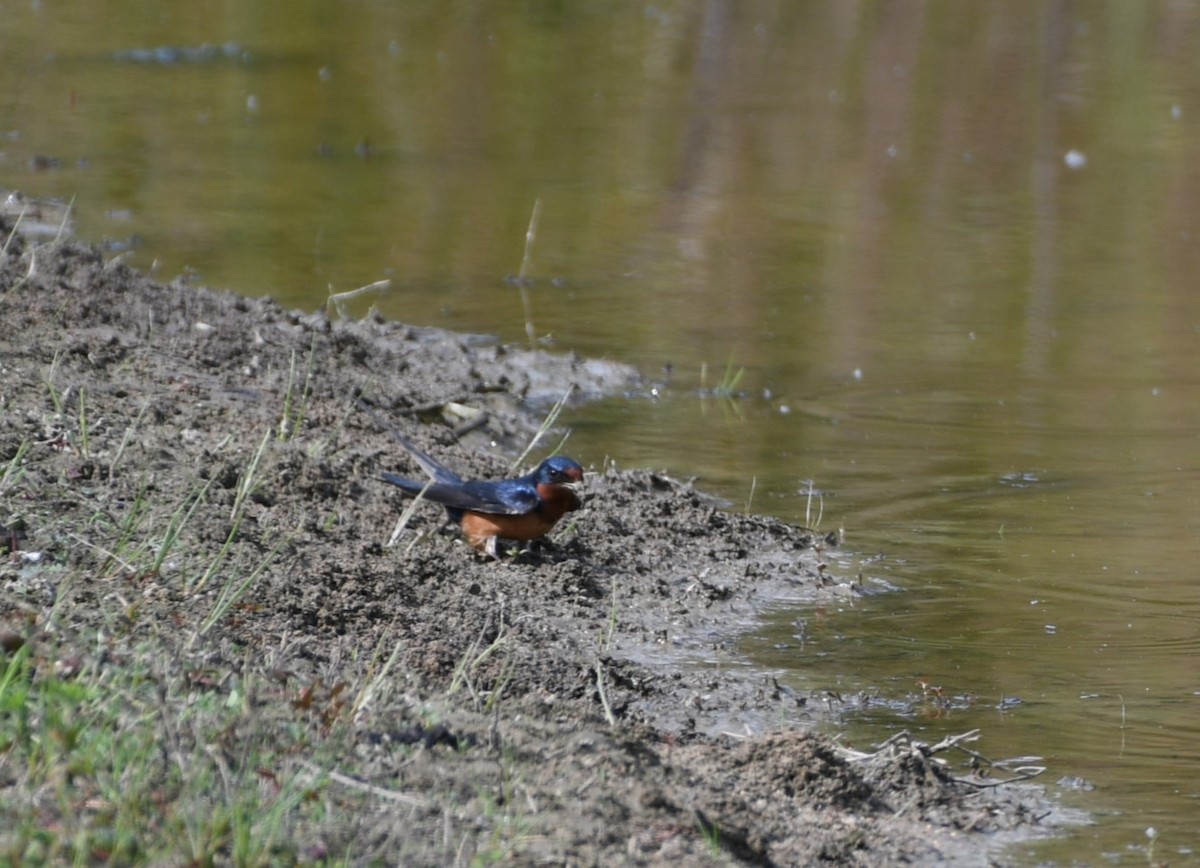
(525, 508)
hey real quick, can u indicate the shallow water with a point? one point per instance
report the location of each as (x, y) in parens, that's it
(952, 246)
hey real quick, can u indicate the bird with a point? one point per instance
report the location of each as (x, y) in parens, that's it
(525, 508)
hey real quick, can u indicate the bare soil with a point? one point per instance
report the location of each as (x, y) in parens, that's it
(552, 708)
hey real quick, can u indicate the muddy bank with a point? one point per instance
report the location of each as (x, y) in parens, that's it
(192, 512)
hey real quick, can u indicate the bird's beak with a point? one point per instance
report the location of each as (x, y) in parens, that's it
(576, 483)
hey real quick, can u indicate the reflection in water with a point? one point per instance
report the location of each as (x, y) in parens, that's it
(984, 354)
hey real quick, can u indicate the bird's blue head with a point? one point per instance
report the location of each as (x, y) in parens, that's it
(558, 470)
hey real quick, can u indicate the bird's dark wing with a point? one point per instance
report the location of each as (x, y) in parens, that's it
(440, 472)
(410, 486)
(506, 497)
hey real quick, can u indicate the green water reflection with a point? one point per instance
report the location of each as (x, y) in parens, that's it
(954, 245)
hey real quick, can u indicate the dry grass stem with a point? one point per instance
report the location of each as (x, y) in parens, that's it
(526, 264)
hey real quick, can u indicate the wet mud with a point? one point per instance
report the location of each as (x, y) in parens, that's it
(552, 707)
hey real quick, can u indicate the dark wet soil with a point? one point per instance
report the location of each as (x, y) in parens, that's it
(551, 708)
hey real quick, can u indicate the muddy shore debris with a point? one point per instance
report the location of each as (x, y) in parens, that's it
(211, 655)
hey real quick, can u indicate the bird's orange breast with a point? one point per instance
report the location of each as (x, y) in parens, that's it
(479, 527)
(557, 501)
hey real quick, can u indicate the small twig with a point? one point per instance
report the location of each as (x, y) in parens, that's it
(1022, 774)
(8, 240)
(740, 736)
(526, 262)
(418, 409)
(66, 216)
(406, 516)
(28, 274)
(363, 786)
(84, 440)
(808, 508)
(112, 467)
(546, 425)
(612, 620)
(902, 735)
(111, 555)
(480, 419)
(957, 741)
(608, 712)
(338, 299)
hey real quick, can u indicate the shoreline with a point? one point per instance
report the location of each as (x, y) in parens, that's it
(197, 567)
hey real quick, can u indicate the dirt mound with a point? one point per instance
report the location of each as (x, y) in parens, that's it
(193, 521)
